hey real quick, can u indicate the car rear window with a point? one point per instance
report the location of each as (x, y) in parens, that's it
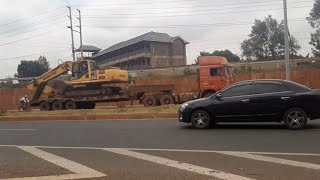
(262, 88)
(238, 90)
(297, 87)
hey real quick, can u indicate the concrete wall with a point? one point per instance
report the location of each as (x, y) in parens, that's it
(10, 97)
(160, 55)
(178, 55)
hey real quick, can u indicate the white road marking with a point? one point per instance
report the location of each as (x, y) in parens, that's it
(214, 151)
(273, 160)
(80, 171)
(170, 150)
(177, 164)
(17, 129)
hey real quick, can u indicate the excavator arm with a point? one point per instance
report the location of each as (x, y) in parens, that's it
(39, 84)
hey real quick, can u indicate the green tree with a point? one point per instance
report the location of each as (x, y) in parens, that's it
(32, 68)
(314, 21)
(232, 58)
(266, 41)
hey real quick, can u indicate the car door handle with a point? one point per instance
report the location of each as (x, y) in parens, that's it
(245, 100)
(285, 98)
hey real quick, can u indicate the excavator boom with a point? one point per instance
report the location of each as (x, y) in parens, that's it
(38, 84)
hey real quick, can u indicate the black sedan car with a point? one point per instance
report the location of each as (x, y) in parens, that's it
(255, 101)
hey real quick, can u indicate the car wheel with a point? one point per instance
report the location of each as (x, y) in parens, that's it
(295, 118)
(200, 119)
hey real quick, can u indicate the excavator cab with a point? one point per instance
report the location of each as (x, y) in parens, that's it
(88, 72)
(83, 70)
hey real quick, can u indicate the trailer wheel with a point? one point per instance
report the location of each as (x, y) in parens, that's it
(44, 106)
(92, 105)
(166, 100)
(70, 105)
(57, 106)
(150, 101)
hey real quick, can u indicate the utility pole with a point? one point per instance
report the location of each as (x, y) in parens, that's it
(286, 38)
(71, 28)
(80, 28)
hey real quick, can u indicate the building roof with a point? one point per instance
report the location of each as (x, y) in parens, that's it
(150, 36)
(88, 48)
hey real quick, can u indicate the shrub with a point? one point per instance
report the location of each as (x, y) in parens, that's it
(188, 71)
(3, 112)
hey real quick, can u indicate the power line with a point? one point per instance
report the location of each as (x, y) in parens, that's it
(5, 59)
(188, 25)
(201, 10)
(35, 15)
(23, 39)
(237, 12)
(126, 4)
(33, 30)
(199, 6)
(32, 24)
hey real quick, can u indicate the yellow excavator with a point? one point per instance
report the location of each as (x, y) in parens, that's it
(87, 80)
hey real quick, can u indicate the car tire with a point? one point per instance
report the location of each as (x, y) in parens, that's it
(295, 119)
(200, 119)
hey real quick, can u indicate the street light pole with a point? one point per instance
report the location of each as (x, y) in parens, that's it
(286, 39)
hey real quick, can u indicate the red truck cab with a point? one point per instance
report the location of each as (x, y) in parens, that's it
(215, 73)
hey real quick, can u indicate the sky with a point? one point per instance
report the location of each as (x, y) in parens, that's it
(32, 28)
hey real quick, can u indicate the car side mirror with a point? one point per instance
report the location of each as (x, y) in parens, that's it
(219, 96)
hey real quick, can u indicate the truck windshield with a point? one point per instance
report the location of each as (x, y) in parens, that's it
(229, 71)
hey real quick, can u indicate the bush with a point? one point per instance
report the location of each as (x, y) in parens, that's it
(189, 72)
(152, 76)
(3, 112)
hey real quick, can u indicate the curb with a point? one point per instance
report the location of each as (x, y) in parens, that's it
(88, 117)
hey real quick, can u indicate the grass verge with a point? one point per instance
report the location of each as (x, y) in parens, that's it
(128, 110)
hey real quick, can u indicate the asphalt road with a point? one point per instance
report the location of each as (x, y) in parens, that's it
(157, 149)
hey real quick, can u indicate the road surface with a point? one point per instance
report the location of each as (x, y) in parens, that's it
(156, 149)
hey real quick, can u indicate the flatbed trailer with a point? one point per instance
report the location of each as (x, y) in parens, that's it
(148, 95)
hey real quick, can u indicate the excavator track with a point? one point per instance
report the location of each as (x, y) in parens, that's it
(91, 91)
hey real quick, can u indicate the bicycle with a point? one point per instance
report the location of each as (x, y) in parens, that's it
(24, 108)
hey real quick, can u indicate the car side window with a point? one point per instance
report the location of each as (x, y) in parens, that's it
(261, 88)
(239, 90)
(215, 72)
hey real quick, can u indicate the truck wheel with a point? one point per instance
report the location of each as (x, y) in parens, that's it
(70, 105)
(57, 106)
(166, 100)
(150, 101)
(44, 106)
